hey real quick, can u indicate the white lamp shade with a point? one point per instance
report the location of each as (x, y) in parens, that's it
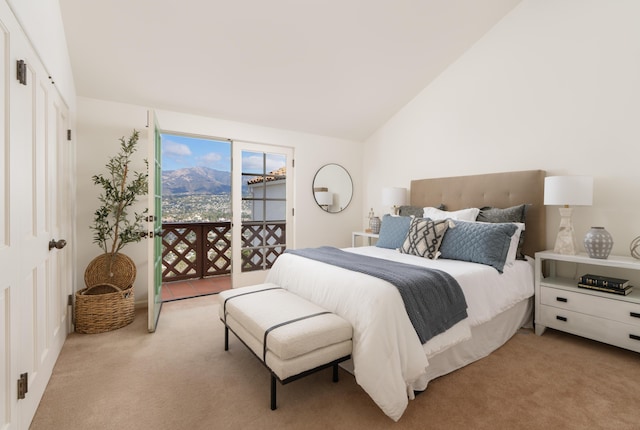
(394, 196)
(324, 198)
(568, 190)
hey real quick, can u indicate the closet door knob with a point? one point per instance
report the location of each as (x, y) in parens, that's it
(57, 244)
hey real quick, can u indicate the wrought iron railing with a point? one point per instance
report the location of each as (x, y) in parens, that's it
(201, 249)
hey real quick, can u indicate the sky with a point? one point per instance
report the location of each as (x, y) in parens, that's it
(179, 152)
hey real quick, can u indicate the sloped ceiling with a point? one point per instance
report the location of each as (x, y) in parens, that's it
(337, 68)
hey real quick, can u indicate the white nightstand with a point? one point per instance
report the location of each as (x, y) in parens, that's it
(605, 317)
(369, 236)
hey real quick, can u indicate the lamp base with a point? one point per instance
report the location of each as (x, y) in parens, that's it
(565, 241)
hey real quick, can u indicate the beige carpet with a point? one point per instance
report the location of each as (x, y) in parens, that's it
(181, 378)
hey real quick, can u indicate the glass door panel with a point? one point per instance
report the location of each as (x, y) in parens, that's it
(263, 174)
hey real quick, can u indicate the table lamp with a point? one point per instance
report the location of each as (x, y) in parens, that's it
(567, 191)
(394, 197)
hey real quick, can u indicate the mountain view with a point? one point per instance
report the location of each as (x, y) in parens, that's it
(195, 180)
(197, 194)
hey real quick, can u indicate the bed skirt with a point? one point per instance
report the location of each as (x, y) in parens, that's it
(485, 338)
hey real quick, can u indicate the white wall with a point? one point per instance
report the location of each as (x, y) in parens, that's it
(553, 86)
(102, 123)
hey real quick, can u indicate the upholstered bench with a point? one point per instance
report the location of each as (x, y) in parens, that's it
(291, 336)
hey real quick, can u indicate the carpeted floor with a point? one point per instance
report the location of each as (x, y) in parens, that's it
(181, 378)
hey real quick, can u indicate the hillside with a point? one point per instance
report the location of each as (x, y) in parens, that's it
(195, 180)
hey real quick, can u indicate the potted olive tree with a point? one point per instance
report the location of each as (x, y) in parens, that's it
(107, 302)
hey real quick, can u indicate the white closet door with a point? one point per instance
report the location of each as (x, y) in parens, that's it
(36, 207)
(8, 248)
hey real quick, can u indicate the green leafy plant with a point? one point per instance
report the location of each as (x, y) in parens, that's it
(113, 226)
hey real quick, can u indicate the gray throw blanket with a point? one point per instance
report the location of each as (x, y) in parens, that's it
(433, 299)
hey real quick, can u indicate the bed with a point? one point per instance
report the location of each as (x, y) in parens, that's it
(389, 360)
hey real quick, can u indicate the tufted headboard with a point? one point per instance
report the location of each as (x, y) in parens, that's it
(500, 190)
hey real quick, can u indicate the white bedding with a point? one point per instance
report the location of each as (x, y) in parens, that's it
(389, 361)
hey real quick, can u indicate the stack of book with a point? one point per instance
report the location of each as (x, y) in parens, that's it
(606, 284)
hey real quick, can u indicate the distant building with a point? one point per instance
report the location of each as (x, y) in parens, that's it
(267, 196)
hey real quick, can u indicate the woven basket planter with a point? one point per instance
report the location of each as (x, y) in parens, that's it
(122, 273)
(107, 302)
(103, 308)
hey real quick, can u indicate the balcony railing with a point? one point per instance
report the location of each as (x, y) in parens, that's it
(262, 243)
(201, 249)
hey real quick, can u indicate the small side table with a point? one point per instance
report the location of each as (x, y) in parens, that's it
(363, 234)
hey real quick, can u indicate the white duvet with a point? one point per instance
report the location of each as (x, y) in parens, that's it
(389, 361)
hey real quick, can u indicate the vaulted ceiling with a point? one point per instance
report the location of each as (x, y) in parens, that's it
(337, 68)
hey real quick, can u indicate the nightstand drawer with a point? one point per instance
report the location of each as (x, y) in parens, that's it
(600, 329)
(603, 307)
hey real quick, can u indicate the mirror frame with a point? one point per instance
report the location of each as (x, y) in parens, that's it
(334, 177)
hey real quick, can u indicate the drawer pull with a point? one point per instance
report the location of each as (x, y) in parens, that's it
(558, 317)
(561, 299)
(634, 314)
(634, 337)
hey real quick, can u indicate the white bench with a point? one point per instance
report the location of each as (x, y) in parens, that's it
(291, 336)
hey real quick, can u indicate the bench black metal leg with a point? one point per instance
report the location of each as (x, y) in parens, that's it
(273, 392)
(226, 338)
(335, 372)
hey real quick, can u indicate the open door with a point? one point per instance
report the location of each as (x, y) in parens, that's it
(154, 219)
(262, 202)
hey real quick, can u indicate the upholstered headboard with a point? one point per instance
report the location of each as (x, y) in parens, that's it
(500, 190)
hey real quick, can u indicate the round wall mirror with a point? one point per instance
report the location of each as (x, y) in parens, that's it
(332, 188)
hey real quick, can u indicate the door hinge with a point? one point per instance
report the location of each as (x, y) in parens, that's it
(69, 134)
(23, 386)
(69, 300)
(21, 72)
(150, 218)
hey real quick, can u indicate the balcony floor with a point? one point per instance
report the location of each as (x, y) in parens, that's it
(179, 290)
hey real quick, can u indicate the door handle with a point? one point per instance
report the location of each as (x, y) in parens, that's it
(57, 244)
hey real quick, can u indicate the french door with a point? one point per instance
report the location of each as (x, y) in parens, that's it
(262, 190)
(154, 249)
(262, 196)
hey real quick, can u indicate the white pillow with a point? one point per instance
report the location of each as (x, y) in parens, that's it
(469, 214)
(513, 246)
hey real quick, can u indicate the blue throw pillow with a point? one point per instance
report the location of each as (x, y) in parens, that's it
(478, 242)
(393, 231)
(512, 214)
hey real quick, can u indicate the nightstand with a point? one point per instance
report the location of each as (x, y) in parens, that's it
(601, 316)
(363, 234)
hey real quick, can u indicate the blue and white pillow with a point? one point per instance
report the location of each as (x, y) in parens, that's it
(424, 237)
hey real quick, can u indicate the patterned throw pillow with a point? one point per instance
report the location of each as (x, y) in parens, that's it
(424, 238)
